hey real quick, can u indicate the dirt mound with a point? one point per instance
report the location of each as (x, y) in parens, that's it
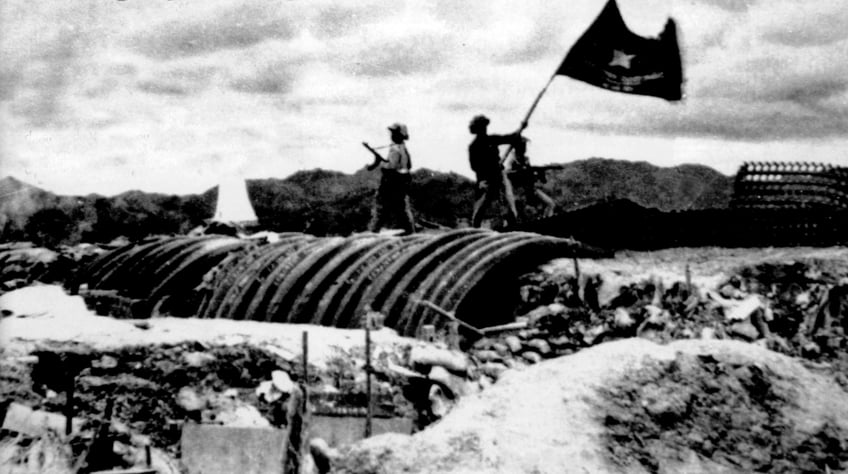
(633, 406)
(731, 412)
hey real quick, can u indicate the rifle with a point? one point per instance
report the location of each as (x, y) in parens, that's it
(547, 167)
(377, 157)
(535, 173)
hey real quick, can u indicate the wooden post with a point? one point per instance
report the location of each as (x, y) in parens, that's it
(296, 424)
(98, 450)
(297, 414)
(427, 333)
(688, 279)
(69, 397)
(453, 335)
(305, 358)
(369, 406)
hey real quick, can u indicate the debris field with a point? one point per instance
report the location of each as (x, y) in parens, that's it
(687, 360)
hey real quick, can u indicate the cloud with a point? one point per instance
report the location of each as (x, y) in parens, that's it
(468, 15)
(271, 79)
(803, 30)
(233, 27)
(166, 88)
(810, 91)
(477, 92)
(10, 77)
(730, 5)
(38, 89)
(179, 80)
(420, 53)
(540, 42)
(333, 20)
(726, 118)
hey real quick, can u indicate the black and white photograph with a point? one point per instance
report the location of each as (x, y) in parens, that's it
(424, 236)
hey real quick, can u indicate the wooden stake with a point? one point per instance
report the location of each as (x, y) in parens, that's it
(297, 413)
(453, 335)
(688, 279)
(69, 397)
(305, 361)
(369, 406)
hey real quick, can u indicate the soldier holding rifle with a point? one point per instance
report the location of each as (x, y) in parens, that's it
(392, 197)
(529, 178)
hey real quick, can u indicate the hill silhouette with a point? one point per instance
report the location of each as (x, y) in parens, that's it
(325, 202)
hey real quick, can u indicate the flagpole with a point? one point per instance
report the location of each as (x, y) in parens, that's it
(530, 112)
(538, 98)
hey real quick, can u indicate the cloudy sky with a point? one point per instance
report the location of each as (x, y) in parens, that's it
(172, 95)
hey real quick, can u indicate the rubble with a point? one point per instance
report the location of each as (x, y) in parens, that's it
(164, 372)
(798, 308)
(226, 373)
(22, 263)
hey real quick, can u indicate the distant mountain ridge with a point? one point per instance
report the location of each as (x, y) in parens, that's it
(325, 202)
(680, 187)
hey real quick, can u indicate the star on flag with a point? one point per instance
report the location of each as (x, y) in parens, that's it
(620, 58)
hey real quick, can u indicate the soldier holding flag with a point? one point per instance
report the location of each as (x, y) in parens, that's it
(485, 161)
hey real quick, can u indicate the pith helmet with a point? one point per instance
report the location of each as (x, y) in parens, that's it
(401, 129)
(479, 121)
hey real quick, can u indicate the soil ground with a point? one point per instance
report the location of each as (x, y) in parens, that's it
(625, 406)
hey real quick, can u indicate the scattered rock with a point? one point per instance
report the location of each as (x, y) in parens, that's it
(322, 455)
(744, 330)
(454, 361)
(243, 416)
(189, 400)
(105, 362)
(513, 343)
(537, 314)
(811, 350)
(197, 359)
(488, 356)
(454, 383)
(623, 320)
(539, 345)
(282, 382)
(440, 403)
(493, 369)
(743, 310)
(532, 357)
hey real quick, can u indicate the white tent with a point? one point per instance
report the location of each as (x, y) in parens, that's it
(233, 203)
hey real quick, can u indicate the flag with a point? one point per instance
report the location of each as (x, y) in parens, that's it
(610, 56)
